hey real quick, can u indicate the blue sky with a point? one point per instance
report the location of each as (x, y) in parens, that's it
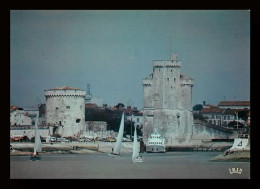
(113, 50)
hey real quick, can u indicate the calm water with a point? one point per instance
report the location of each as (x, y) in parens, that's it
(170, 165)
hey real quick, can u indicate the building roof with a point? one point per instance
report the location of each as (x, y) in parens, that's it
(210, 106)
(128, 110)
(12, 107)
(90, 105)
(139, 114)
(112, 108)
(234, 103)
(64, 88)
(212, 110)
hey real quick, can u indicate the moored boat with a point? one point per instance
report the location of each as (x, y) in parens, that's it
(241, 143)
(155, 143)
(136, 158)
(116, 149)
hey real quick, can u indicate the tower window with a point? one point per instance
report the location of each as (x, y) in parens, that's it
(174, 79)
(68, 107)
(77, 120)
(57, 108)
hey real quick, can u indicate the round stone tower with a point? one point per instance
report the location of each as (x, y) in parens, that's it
(65, 110)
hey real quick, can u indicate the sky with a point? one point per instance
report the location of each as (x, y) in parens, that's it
(113, 51)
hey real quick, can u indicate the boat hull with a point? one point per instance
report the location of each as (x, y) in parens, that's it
(113, 154)
(137, 161)
(35, 158)
(155, 149)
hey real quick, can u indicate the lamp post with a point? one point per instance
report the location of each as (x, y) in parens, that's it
(237, 119)
(131, 125)
(131, 128)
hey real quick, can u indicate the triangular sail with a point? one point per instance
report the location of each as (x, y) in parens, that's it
(37, 139)
(119, 138)
(135, 147)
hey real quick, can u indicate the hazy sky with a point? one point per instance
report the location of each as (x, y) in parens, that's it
(113, 50)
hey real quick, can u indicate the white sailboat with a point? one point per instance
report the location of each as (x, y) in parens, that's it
(119, 139)
(135, 156)
(37, 140)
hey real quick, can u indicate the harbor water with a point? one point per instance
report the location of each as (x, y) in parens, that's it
(170, 165)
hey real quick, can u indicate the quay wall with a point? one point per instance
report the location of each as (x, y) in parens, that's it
(29, 131)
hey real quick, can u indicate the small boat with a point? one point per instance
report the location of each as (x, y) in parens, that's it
(155, 143)
(119, 139)
(136, 158)
(37, 143)
(241, 143)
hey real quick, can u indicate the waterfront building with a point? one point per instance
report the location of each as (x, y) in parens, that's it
(134, 115)
(220, 116)
(65, 111)
(168, 102)
(32, 112)
(19, 117)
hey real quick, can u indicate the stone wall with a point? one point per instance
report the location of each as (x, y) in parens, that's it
(201, 132)
(29, 132)
(19, 117)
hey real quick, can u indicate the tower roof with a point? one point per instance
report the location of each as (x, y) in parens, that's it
(64, 88)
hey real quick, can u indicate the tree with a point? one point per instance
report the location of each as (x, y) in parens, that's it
(242, 114)
(120, 105)
(197, 107)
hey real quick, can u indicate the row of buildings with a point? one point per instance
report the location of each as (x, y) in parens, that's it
(224, 113)
(64, 114)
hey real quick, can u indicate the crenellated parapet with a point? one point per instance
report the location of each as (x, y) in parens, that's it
(147, 82)
(158, 64)
(166, 63)
(64, 93)
(189, 82)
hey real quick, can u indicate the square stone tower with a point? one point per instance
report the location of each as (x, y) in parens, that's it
(168, 102)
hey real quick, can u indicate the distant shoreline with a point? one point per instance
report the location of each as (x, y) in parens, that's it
(69, 147)
(25, 148)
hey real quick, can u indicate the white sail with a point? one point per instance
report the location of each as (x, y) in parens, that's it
(37, 139)
(119, 138)
(135, 156)
(135, 147)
